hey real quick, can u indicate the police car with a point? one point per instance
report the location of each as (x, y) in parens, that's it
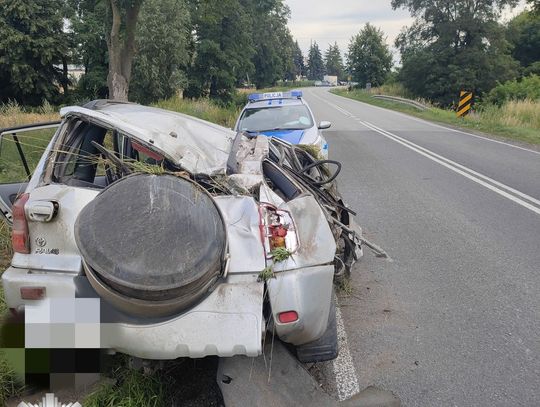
(283, 115)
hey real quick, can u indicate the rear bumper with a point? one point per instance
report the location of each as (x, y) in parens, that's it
(226, 323)
(214, 327)
(308, 291)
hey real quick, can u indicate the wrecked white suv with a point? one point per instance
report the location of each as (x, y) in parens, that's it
(185, 238)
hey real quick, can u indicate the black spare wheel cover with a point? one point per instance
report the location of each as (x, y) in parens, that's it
(151, 244)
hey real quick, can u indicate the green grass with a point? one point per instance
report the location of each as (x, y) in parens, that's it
(10, 382)
(519, 121)
(131, 388)
(280, 254)
(203, 109)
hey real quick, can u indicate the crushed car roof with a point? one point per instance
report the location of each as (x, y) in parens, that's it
(196, 145)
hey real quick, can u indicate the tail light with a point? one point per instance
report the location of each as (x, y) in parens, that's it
(277, 229)
(32, 293)
(20, 237)
(288, 317)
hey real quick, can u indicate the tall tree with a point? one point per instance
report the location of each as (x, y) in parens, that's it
(223, 48)
(273, 57)
(163, 34)
(33, 45)
(334, 61)
(523, 32)
(121, 45)
(89, 33)
(453, 45)
(369, 59)
(315, 63)
(298, 57)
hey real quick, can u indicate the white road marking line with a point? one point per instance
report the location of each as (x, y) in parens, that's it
(479, 178)
(343, 366)
(440, 126)
(477, 174)
(412, 146)
(344, 371)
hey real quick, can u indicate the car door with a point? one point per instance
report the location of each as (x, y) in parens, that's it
(21, 148)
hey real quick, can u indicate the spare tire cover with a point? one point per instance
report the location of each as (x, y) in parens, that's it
(152, 237)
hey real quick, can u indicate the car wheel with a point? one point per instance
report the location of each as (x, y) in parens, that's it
(326, 347)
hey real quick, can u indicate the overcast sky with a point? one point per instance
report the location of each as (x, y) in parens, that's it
(338, 20)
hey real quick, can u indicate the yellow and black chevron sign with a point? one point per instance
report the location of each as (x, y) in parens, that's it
(465, 103)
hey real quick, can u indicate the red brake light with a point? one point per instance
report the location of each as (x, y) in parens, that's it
(20, 238)
(287, 317)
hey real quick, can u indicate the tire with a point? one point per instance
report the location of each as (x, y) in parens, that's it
(326, 347)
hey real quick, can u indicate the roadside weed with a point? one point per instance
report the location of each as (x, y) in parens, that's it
(280, 254)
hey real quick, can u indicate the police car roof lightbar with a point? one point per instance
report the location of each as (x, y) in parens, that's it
(256, 97)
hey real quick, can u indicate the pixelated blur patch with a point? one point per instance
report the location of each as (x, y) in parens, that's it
(62, 361)
(63, 323)
(12, 333)
(38, 361)
(88, 360)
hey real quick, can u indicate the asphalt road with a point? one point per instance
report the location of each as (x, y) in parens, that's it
(454, 318)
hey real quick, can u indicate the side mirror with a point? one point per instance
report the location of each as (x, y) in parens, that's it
(324, 125)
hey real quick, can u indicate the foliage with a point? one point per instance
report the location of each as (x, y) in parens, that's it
(369, 58)
(239, 42)
(266, 274)
(132, 389)
(526, 88)
(280, 254)
(203, 109)
(315, 63)
(334, 62)
(514, 114)
(392, 89)
(274, 48)
(88, 29)
(32, 42)
(223, 49)
(298, 59)
(453, 45)
(535, 5)
(523, 33)
(162, 57)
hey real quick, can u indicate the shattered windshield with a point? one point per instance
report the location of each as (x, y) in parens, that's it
(292, 117)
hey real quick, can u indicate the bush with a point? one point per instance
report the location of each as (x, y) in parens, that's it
(526, 88)
(203, 109)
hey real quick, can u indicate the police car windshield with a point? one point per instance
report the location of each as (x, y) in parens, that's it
(286, 117)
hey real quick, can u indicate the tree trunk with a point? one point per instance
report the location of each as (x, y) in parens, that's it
(65, 78)
(121, 49)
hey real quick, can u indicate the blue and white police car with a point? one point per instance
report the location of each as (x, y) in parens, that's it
(283, 115)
